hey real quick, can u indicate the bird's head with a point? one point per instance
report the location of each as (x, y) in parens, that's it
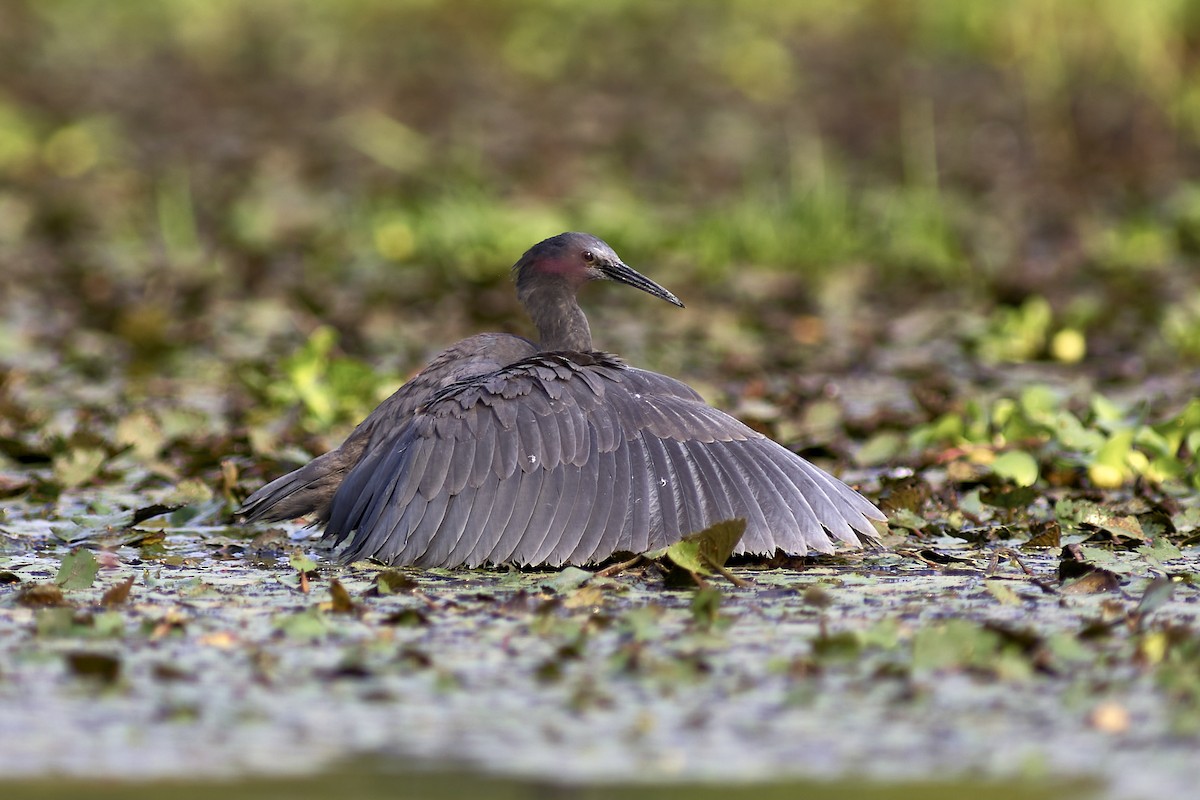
(576, 259)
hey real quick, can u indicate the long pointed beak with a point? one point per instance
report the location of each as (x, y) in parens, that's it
(623, 273)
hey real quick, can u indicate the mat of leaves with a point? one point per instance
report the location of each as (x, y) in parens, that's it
(174, 648)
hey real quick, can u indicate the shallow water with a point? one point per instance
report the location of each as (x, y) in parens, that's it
(866, 675)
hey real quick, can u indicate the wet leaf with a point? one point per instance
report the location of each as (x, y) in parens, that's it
(1008, 497)
(1002, 592)
(78, 466)
(108, 624)
(118, 594)
(686, 555)
(78, 570)
(706, 551)
(341, 602)
(566, 580)
(1045, 534)
(101, 667)
(817, 597)
(141, 432)
(909, 520)
(1157, 594)
(706, 609)
(1162, 550)
(51, 622)
(392, 582)
(308, 624)
(1017, 466)
(717, 542)
(642, 623)
(1095, 581)
(838, 646)
(150, 512)
(879, 449)
(41, 595)
(959, 644)
(590, 596)
(302, 563)
(407, 618)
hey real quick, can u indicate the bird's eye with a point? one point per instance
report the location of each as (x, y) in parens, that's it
(589, 256)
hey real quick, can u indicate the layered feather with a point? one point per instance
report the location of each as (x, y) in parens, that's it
(567, 458)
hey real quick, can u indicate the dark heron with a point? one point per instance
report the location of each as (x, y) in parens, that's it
(504, 450)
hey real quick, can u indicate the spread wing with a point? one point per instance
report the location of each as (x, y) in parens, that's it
(310, 489)
(566, 458)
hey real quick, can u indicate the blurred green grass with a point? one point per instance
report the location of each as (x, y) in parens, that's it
(193, 188)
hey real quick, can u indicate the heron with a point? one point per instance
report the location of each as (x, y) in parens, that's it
(508, 451)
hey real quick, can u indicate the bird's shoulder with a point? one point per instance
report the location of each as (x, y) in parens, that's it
(478, 355)
(592, 388)
(544, 374)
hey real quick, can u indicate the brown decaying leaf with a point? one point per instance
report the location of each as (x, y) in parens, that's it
(342, 604)
(1072, 563)
(1045, 534)
(41, 595)
(407, 618)
(12, 485)
(1097, 581)
(118, 594)
(151, 511)
(391, 581)
(101, 667)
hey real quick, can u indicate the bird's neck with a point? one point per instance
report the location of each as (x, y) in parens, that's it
(559, 319)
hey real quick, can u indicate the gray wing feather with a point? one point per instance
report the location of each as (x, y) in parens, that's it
(569, 457)
(745, 504)
(806, 529)
(506, 456)
(503, 511)
(433, 477)
(423, 533)
(529, 488)
(529, 437)
(642, 508)
(566, 498)
(462, 463)
(545, 506)
(688, 494)
(590, 519)
(477, 523)
(720, 507)
(663, 481)
(548, 430)
(449, 534)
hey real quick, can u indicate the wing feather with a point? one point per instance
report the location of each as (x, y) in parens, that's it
(486, 548)
(526, 489)
(663, 481)
(591, 519)
(711, 482)
(477, 524)
(545, 505)
(642, 512)
(569, 457)
(689, 499)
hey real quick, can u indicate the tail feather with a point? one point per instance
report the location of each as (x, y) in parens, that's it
(308, 490)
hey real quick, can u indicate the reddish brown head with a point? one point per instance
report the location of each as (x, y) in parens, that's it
(574, 259)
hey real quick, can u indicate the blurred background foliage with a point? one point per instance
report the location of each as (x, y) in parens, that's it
(226, 209)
